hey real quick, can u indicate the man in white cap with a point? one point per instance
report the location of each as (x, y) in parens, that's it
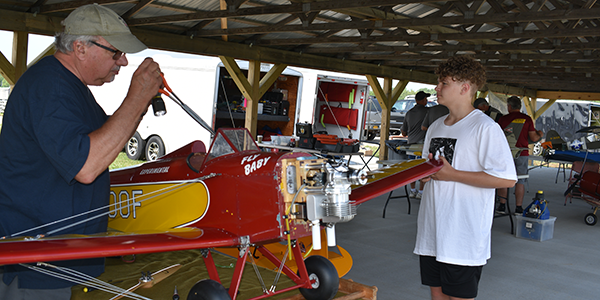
(56, 142)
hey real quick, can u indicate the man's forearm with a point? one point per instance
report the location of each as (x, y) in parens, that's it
(107, 141)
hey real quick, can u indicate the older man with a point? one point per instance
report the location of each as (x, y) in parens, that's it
(484, 105)
(411, 128)
(519, 129)
(57, 142)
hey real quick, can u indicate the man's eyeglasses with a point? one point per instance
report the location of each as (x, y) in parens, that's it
(117, 53)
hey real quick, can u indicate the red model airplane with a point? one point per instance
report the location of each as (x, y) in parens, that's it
(235, 196)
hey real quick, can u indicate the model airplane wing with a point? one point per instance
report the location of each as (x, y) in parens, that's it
(387, 179)
(111, 244)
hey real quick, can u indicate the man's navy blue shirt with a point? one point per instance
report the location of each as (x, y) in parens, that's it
(44, 143)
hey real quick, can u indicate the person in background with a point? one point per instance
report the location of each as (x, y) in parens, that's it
(455, 216)
(483, 105)
(433, 113)
(411, 128)
(519, 129)
(56, 142)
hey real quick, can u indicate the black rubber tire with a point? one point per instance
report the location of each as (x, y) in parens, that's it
(327, 279)
(208, 289)
(591, 219)
(155, 148)
(135, 147)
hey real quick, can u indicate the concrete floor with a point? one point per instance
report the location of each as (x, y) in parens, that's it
(564, 267)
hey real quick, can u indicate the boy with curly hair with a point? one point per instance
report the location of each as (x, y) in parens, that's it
(455, 216)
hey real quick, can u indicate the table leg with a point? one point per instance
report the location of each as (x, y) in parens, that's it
(395, 197)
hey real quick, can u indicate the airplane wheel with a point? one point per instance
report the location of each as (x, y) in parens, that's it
(135, 147)
(591, 219)
(208, 289)
(155, 148)
(324, 277)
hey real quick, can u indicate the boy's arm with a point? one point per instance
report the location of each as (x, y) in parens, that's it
(478, 179)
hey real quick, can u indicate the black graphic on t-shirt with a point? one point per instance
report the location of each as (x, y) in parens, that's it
(444, 147)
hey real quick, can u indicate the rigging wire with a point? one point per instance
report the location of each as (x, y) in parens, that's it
(227, 100)
(147, 197)
(82, 278)
(229, 110)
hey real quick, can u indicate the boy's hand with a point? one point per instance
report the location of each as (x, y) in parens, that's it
(444, 174)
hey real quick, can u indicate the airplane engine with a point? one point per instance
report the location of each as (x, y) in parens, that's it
(321, 193)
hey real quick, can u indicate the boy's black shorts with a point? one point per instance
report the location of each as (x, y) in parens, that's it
(455, 281)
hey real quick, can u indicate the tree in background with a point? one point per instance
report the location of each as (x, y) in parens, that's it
(3, 83)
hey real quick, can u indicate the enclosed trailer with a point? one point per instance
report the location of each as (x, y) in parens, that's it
(204, 85)
(339, 107)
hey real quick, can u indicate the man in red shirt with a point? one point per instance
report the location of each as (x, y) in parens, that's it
(519, 129)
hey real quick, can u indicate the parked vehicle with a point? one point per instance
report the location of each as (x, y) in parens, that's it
(205, 85)
(398, 111)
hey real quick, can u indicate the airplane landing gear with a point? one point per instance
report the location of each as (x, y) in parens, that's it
(208, 289)
(323, 277)
(591, 219)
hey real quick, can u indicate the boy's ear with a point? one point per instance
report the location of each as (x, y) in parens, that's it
(465, 88)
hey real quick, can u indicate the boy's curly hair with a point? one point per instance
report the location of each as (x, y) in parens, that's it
(462, 68)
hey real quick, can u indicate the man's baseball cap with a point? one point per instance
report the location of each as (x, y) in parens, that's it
(479, 101)
(94, 19)
(421, 95)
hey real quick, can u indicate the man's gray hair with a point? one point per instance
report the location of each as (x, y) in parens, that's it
(514, 102)
(64, 42)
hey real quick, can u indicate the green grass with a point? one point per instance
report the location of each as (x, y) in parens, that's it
(372, 148)
(123, 161)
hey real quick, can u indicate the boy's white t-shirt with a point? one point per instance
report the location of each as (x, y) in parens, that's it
(455, 219)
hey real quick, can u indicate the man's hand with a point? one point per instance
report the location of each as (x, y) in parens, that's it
(145, 82)
(107, 141)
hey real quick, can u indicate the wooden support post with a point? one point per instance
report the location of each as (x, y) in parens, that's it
(483, 94)
(544, 107)
(254, 96)
(50, 50)
(386, 97)
(527, 103)
(19, 53)
(7, 70)
(223, 6)
(253, 87)
(12, 70)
